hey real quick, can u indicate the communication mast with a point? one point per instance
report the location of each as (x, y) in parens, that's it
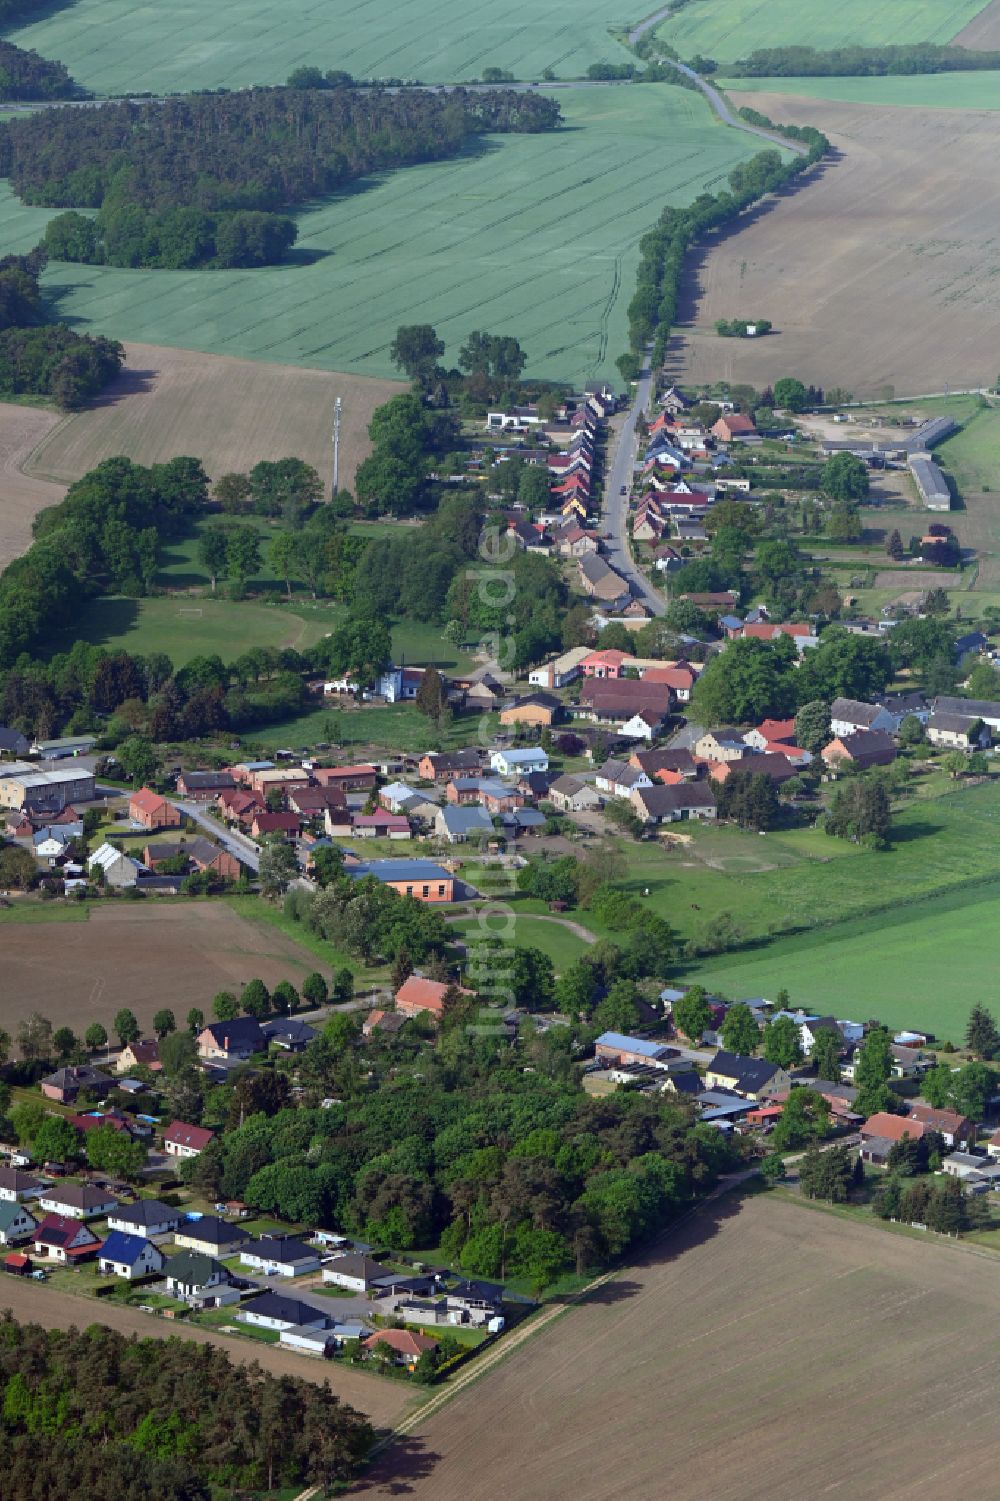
(337, 410)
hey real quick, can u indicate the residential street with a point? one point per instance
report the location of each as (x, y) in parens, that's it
(237, 844)
(621, 466)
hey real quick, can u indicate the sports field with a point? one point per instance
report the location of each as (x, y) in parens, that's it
(923, 91)
(731, 29)
(114, 46)
(186, 626)
(763, 1339)
(922, 966)
(534, 235)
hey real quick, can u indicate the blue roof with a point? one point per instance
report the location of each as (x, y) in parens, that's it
(631, 1044)
(399, 870)
(122, 1247)
(469, 820)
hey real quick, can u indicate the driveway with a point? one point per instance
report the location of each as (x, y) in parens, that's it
(237, 844)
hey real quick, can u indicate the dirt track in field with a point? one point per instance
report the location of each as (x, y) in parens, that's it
(983, 32)
(144, 957)
(879, 273)
(772, 1350)
(21, 495)
(229, 413)
(383, 1401)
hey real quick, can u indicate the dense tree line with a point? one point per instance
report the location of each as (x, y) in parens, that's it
(653, 309)
(202, 179)
(27, 75)
(93, 1413)
(861, 62)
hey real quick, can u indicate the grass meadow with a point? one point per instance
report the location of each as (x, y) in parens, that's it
(532, 235)
(112, 47)
(923, 91)
(730, 29)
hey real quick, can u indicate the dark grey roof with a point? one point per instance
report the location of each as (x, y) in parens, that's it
(242, 1031)
(291, 1032)
(968, 708)
(212, 1231)
(147, 1212)
(280, 1248)
(749, 1073)
(277, 1306)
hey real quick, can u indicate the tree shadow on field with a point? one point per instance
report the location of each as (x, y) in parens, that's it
(128, 382)
(397, 1468)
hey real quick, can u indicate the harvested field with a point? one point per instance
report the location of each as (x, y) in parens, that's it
(867, 289)
(829, 1346)
(22, 496)
(983, 32)
(383, 1401)
(908, 578)
(227, 412)
(144, 956)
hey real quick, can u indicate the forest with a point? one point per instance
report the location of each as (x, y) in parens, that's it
(198, 180)
(26, 75)
(91, 1413)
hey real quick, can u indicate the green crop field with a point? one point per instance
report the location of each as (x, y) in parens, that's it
(925, 91)
(561, 945)
(532, 235)
(730, 29)
(923, 966)
(114, 47)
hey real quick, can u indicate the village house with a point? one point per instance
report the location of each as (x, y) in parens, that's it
(988, 710)
(280, 1256)
(733, 427)
(236, 1039)
(270, 825)
(665, 765)
(354, 1271)
(862, 749)
(635, 706)
(198, 1279)
(144, 1051)
(560, 670)
(618, 1047)
(389, 1023)
(288, 1034)
(456, 825)
(753, 1078)
(147, 1218)
(362, 778)
(405, 1345)
(540, 709)
(956, 1130)
(513, 763)
(687, 801)
(570, 795)
(953, 732)
(129, 1256)
(15, 1223)
(204, 786)
(723, 744)
(275, 1311)
(620, 778)
(182, 1140)
(66, 1083)
(770, 764)
(417, 995)
(312, 802)
(13, 743)
(64, 1238)
(17, 1186)
(881, 1132)
(602, 583)
(849, 715)
(238, 806)
(151, 811)
(442, 767)
(211, 1236)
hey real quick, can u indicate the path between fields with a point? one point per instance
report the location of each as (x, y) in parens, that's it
(576, 928)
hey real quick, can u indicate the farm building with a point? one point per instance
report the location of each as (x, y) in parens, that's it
(151, 811)
(24, 785)
(931, 484)
(421, 879)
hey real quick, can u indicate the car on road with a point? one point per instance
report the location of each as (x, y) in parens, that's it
(624, 489)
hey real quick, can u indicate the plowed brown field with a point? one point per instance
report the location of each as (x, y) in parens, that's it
(229, 413)
(881, 272)
(22, 496)
(773, 1351)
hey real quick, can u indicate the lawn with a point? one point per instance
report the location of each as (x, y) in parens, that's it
(731, 29)
(923, 91)
(534, 234)
(562, 946)
(113, 48)
(186, 626)
(265, 913)
(399, 727)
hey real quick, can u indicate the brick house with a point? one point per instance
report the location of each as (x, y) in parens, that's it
(151, 811)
